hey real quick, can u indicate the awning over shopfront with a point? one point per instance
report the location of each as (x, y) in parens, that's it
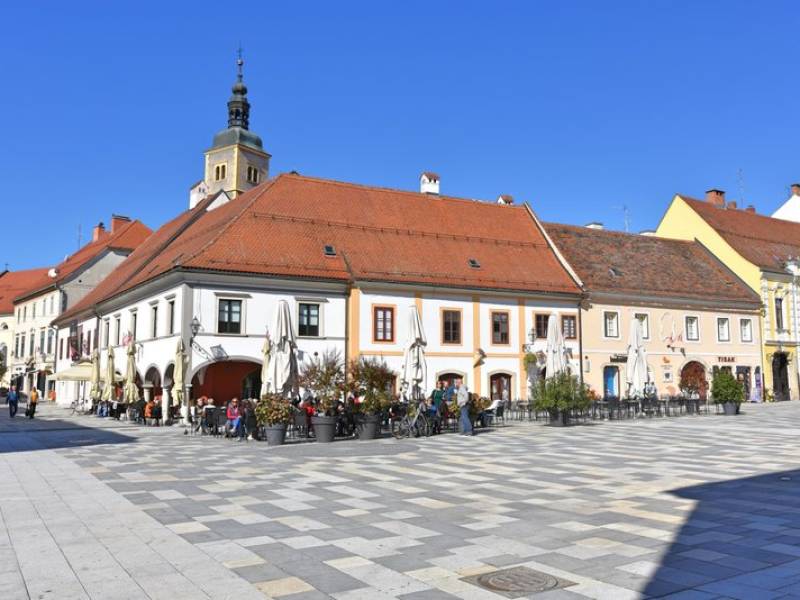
(80, 372)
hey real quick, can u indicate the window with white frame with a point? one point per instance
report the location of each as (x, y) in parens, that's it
(117, 330)
(134, 323)
(308, 319)
(779, 314)
(611, 324)
(723, 329)
(644, 319)
(746, 330)
(692, 328)
(229, 316)
(171, 316)
(154, 321)
(106, 332)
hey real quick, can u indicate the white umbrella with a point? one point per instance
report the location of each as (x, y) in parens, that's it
(94, 382)
(177, 374)
(131, 391)
(636, 368)
(282, 362)
(266, 350)
(111, 377)
(555, 352)
(415, 369)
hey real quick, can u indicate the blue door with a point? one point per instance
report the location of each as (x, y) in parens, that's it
(611, 382)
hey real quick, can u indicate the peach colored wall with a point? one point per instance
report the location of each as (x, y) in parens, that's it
(597, 349)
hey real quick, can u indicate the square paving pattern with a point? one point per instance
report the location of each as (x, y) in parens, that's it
(689, 507)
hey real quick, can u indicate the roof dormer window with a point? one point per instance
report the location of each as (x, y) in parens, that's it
(329, 250)
(473, 262)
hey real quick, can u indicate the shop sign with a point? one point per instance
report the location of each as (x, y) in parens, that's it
(618, 358)
(726, 359)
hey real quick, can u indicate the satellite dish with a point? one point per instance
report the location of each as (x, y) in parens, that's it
(52, 273)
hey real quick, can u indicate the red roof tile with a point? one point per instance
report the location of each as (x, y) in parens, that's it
(14, 283)
(281, 227)
(764, 241)
(638, 265)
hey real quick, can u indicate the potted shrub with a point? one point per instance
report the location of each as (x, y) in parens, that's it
(559, 396)
(370, 379)
(727, 391)
(274, 413)
(324, 377)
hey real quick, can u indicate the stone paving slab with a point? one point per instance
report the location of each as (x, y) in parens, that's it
(688, 507)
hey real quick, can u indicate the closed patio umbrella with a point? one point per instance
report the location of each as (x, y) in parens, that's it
(636, 367)
(94, 381)
(177, 374)
(281, 376)
(555, 352)
(111, 377)
(415, 369)
(131, 391)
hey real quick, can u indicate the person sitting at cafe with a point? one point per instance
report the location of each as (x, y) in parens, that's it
(485, 416)
(148, 411)
(233, 416)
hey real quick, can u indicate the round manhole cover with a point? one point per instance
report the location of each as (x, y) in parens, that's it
(519, 581)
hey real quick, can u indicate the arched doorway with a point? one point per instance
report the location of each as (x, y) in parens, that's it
(611, 387)
(153, 377)
(500, 386)
(693, 379)
(450, 378)
(226, 379)
(780, 376)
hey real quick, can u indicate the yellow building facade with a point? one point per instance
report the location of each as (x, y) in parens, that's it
(763, 252)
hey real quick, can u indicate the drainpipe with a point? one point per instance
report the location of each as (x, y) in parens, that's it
(793, 266)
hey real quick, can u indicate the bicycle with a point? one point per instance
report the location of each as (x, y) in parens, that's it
(407, 426)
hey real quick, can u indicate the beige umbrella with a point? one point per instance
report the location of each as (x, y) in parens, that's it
(282, 369)
(111, 377)
(131, 391)
(265, 354)
(94, 382)
(415, 369)
(177, 374)
(556, 358)
(636, 367)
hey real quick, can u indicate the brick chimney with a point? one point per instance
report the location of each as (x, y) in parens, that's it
(750, 208)
(796, 189)
(715, 197)
(429, 183)
(118, 221)
(98, 231)
(732, 205)
(505, 199)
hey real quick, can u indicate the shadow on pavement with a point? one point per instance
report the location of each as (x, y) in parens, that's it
(23, 435)
(742, 540)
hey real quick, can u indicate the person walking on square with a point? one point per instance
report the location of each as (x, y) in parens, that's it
(462, 398)
(13, 401)
(33, 400)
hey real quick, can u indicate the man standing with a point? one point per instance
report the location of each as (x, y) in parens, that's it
(462, 398)
(13, 401)
(33, 400)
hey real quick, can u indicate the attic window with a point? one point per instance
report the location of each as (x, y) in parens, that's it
(330, 250)
(614, 272)
(473, 262)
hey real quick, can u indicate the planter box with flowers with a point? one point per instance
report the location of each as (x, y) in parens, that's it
(324, 377)
(728, 392)
(560, 396)
(274, 413)
(370, 379)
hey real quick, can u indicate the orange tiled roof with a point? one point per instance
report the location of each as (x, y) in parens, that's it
(281, 227)
(127, 237)
(14, 283)
(616, 262)
(764, 241)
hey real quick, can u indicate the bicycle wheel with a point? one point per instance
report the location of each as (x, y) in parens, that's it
(400, 428)
(423, 426)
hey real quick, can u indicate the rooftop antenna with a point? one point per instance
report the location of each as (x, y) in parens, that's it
(626, 216)
(740, 184)
(239, 62)
(80, 240)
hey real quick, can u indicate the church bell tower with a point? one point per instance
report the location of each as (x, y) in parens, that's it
(236, 161)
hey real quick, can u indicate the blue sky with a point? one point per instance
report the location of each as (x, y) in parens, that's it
(579, 108)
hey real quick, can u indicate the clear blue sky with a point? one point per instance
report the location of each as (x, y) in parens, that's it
(576, 107)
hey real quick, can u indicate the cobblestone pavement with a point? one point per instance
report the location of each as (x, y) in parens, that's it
(687, 507)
